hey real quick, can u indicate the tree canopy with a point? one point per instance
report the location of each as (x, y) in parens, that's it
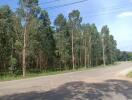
(30, 43)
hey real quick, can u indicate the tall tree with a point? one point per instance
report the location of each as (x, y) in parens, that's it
(7, 37)
(104, 37)
(27, 9)
(74, 23)
(61, 38)
(95, 45)
(29, 42)
(85, 28)
(108, 45)
(46, 38)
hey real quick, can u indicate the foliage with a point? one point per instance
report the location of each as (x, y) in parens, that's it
(69, 44)
(124, 56)
(129, 74)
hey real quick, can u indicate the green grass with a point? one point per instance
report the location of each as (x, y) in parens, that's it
(129, 74)
(10, 77)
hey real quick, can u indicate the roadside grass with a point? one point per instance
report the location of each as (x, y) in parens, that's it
(9, 77)
(129, 74)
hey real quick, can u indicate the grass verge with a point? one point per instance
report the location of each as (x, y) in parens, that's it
(129, 74)
(9, 77)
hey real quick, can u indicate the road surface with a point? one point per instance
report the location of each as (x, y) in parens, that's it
(96, 84)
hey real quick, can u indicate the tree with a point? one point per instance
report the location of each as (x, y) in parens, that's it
(27, 10)
(85, 28)
(74, 24)
(61, 39)
(29, 42)
(7, 37)
(108, 45)
(104, 35)
(95, 46)
(46, 38)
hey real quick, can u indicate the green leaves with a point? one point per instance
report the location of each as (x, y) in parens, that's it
(67, 43)
(6, 35)
(109, 45)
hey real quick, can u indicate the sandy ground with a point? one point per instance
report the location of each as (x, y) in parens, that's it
(107, 83)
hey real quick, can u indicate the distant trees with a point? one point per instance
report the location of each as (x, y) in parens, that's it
(124, 55)
(28, 42)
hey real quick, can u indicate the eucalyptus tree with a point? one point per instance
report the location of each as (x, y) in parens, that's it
(104, 37)
(46, 39)
(91, 38)
(74, 24)
(95, 46)
(16, 45)
(60, 24)
(7, 37)
(85, 29)
(27, 39)
(27, 10)
(112, 49)
(109, 46)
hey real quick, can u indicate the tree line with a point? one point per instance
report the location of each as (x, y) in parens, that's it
(29, 43)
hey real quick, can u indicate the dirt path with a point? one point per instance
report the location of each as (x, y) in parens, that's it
(95, 84)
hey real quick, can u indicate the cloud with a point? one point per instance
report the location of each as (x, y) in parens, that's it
(125, 14)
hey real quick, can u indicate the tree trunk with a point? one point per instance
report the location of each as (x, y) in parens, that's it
(87, 60)
(90, 56)
(85, 54)
(24, 47)
(24, 53)
(103, 52)
(40, 62)
(73, 63)
(12, 58)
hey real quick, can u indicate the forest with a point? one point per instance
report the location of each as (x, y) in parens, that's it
(30, 42)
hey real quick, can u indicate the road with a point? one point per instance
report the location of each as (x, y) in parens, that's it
(96, 84)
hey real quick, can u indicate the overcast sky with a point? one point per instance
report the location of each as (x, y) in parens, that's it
(117, 14)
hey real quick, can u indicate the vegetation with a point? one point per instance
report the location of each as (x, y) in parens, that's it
(30, 44)
(8, 77)
(130, 74)
(124, 56)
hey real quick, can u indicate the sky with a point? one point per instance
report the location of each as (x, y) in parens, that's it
(117, 14)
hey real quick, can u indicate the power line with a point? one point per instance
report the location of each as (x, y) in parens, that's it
(101, 14)
(67, 4)
(58, 6)
(111, 10)
(90, 12)
(63, 5)
(48, 2)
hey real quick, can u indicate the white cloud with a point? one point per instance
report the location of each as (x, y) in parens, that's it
(125, 14)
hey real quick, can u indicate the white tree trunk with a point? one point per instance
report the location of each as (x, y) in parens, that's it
(103, 52)
(73, 59)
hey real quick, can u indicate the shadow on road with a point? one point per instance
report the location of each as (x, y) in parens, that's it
(108, 90)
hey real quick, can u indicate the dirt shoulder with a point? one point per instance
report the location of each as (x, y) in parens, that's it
(47, 83)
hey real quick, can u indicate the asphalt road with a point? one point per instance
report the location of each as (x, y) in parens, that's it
(96, 84)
